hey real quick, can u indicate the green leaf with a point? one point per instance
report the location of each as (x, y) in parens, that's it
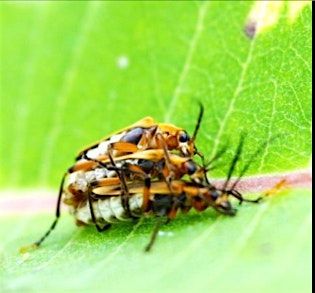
(265, 248)
(64, 88)
(74, 72)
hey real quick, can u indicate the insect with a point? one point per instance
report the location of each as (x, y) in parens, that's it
(136, 139)
(143, 166)
(142, 135)
(104, 207)
(102, 204)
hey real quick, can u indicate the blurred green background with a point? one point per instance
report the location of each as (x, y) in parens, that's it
(72, 72)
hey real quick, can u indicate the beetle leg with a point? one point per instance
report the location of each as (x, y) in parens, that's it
(133, 169)
(155, 232)
(172, 213)
(170, 216)
(98, 227)
(120, 175)
(241, 199)
(125, 192)
(162, 143)
(146, 193)
(168, 163)
(147, 184)
(147, 138)
(54, 223)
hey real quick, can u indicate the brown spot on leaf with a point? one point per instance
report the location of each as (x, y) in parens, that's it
(250, 29)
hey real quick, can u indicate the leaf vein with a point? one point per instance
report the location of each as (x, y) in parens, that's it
(62, 98)
(191, 50)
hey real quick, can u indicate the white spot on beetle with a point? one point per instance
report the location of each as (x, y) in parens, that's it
(93, 153)
(78, 179)
(111, 174)
(103, 147)
(116, 137)
(100, 173)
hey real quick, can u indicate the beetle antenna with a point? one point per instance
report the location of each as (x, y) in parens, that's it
(217, 156)
(251, 160)
(201, 111)
(234, 161)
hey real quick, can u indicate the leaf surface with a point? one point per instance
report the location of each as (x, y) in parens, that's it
(71, 74)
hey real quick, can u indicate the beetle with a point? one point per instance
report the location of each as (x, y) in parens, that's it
(145, 165)
(148, 143)
(104, 206)
(142, 135)
(142, 166)
(138, 137)
(102, 203)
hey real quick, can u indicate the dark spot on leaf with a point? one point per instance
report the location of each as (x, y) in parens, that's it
(250, 29)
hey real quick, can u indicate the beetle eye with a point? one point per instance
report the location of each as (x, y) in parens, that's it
(191, 167)
(184, 137)
(214, 194)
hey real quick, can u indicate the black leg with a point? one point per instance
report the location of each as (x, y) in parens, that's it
(146, 193)
(125, 191)
(120, 175)
(155, 232)
(54, 223)
(98, 227)
(239, 196)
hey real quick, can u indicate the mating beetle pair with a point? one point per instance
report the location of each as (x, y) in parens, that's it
(145, 169)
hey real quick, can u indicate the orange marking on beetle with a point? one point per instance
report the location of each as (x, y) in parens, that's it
(83, 166)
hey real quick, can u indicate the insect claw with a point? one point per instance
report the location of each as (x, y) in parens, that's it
(147, 248)
(232, 212)
(28, 248)
(258, 199)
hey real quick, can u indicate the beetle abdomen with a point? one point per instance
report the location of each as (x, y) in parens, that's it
(110, 210)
